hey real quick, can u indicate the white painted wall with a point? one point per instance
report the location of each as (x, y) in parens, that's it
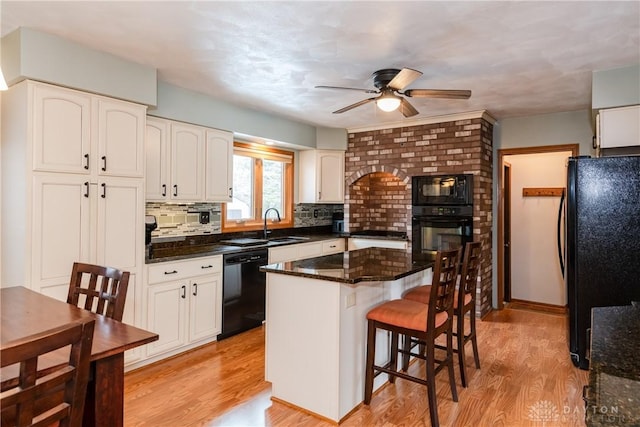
(535, 270)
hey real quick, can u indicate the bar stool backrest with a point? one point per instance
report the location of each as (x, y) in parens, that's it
(470, 271)
(443, 286)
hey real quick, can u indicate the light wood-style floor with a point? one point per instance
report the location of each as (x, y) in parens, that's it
(526, 379)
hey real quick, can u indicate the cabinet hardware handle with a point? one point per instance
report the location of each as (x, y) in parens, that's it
(175, 190)
(171, 272)
(86, 186)
(86, 161)
(184, 292)
(195, 289)
(230, 192)
(319, 195)
(164, 190)
(104, 163)
(332, 246)
(104, 190)
(206, 266)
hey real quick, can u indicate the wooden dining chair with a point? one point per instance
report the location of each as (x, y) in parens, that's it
(102, 290)
(58, 395)
(421, 323)
(464, 302)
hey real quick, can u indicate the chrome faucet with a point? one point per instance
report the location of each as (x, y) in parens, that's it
(266, 232)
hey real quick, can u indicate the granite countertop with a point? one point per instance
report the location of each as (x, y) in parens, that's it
(377, 234)
(175, 249)
(614, 371)
(361, 265)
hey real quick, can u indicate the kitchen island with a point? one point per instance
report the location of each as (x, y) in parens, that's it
(316, 324)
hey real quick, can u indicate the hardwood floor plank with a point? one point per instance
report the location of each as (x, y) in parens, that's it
(526, 376)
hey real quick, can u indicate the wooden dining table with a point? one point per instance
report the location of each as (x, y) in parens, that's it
(25, 312)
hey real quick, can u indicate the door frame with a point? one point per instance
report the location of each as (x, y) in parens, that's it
(574, 148)
(506, 214)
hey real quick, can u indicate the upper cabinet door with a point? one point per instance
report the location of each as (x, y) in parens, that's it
(157, 160)
(121, 128)
(330, 176)
(219, 166)
(61, 130)
(187, 162)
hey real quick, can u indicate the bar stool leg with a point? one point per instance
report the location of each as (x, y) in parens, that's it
(431, 386)
(393, 357)
(405, 356)
(371, 348)
(460, 342)
(452, 376)
(474, 339)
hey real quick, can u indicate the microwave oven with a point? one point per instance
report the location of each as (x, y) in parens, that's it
(442, 190)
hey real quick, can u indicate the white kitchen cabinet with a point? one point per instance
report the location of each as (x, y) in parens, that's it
(321, 178)
(61, 123)
(61, 206)
(219, 166)
(188, 163)
(76, 132)
(619, 127)
(79, 221)
(184, 304)
(157, 160)
(120, 140)
(359, 243)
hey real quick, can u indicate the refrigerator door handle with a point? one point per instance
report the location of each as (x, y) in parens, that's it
(560, 254)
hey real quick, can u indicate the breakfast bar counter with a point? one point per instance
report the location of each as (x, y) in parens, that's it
(316, 324)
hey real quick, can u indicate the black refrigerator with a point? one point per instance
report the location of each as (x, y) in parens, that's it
(603, 241)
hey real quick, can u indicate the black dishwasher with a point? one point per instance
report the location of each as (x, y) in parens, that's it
(243, 291)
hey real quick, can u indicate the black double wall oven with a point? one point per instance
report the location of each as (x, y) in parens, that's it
(442, 214)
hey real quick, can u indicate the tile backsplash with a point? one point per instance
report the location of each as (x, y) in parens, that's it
(184, 219)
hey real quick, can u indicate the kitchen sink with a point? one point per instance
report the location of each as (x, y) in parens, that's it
(288, 239)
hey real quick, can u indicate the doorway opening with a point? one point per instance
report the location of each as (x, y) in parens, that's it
(505, 213)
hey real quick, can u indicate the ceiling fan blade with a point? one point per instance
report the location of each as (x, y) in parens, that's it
(352, 106)
(348, 88)
(404, 78)
(406, 108)
(438, 93)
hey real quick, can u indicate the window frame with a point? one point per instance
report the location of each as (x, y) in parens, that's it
(257, 223)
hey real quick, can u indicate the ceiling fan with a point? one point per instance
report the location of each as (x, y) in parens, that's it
(389, 83)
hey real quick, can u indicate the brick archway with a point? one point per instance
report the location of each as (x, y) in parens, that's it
(390, 169)
(378, 198)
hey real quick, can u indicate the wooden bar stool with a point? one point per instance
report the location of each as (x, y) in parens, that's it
(464, 302)
(423, 322)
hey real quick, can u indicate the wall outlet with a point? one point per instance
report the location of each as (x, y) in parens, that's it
(351, 300)
(315, 213)
(204, 217)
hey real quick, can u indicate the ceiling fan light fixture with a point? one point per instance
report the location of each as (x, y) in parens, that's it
(388, 102)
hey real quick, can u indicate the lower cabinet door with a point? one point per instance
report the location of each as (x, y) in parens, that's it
(205, 315)
(166, 316)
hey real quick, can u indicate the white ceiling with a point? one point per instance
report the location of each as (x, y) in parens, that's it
(518, 58)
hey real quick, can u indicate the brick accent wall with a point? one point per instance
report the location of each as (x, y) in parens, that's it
(379, 165)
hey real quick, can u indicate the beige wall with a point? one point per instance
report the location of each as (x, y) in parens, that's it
(535, 270)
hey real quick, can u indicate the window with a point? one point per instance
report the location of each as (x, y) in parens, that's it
(262, 179)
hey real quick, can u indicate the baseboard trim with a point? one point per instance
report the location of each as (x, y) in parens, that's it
(537, 306)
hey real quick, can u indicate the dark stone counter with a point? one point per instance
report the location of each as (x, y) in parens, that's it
(179, 248)
(369, 264)
(613, 396)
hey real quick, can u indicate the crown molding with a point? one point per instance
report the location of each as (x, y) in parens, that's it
(484, 114)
